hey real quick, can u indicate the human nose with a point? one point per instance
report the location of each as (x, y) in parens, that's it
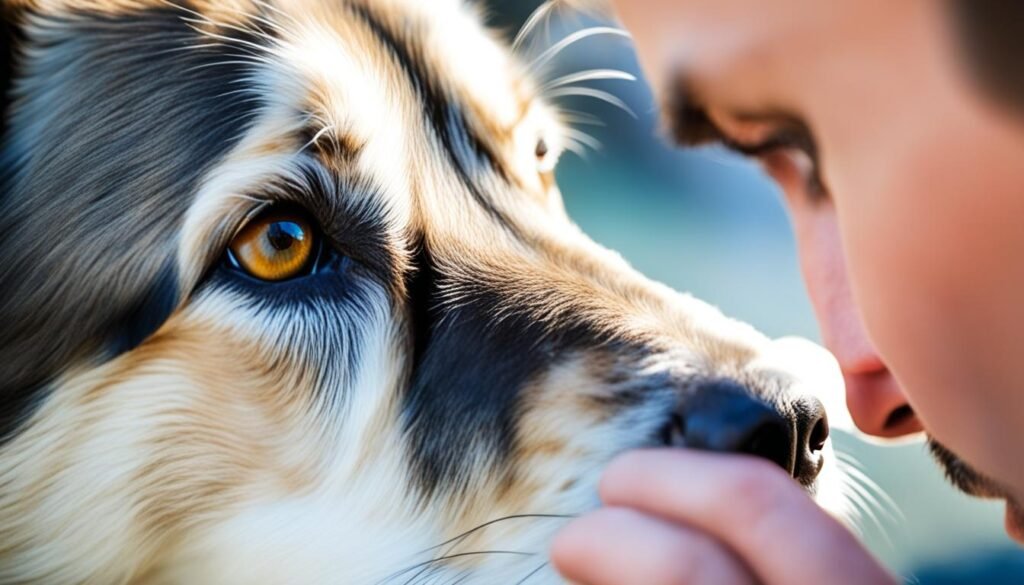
(874, 397)
(877, 404)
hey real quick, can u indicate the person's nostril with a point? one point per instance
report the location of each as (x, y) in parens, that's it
(899, 417)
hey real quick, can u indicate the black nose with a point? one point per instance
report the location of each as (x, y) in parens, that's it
(724, 416)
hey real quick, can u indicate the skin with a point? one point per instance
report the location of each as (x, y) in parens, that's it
(907, 255)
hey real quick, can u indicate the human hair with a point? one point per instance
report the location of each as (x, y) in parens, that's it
(990, 34)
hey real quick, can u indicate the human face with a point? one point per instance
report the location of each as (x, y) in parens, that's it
(903, 182)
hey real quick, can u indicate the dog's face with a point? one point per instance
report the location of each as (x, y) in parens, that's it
(289, 296)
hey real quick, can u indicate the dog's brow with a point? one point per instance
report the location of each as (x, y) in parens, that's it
(331, 144)
(467, 152)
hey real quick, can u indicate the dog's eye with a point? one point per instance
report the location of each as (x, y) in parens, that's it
(275, 246)
(542, 149)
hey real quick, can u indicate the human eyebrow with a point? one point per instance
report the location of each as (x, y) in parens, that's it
(685, 119)
(690, 125)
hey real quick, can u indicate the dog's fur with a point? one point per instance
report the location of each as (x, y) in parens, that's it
(453, 393)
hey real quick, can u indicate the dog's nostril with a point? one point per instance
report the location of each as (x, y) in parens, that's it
(812, 433)
(819, 435)
(772, 441)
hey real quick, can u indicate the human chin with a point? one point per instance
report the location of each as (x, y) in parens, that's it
(963, 476)
(974, 483)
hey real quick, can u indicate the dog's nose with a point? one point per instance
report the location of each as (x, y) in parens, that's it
(724, 416)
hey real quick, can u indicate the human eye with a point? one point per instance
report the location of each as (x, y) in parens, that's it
(788, 154)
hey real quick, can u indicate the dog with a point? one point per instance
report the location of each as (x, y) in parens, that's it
(289, 296)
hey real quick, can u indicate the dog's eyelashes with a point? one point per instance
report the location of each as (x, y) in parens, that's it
(276, 246)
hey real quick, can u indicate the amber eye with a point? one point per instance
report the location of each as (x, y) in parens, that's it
(275, 246)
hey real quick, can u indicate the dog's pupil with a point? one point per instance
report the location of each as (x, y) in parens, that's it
(283, 234)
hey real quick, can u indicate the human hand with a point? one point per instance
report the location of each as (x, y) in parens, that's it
(678, 517)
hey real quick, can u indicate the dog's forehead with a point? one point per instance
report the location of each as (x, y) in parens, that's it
(326, 42)
(341, 51)
(432, 103)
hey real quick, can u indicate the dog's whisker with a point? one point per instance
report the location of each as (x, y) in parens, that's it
(540, 14)
(576, 148)
(553, 51)
(583, 138)
(532, 573)
(490, 523)
(575, 117)
(857, 474)
(597, 94)
(453, 542)
(865, 503)
(588, 75)
(345, 402)
(449, 557)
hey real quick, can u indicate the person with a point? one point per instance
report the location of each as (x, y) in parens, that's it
(896, 132)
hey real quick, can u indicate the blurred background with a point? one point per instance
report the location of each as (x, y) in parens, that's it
(708, 222)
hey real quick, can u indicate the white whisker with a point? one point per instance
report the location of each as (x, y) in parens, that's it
(589, 75)
(592, 93)
(575, 117)
(583, 138)
(572, 39)
(869, 504)
(883, 498)
(542, 12)
(576, 148)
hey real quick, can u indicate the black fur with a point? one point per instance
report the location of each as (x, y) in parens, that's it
(120, 119)
(468, 384)
(468, 154)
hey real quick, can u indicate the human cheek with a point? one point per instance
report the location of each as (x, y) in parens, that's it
(928, 238)
(874, 399)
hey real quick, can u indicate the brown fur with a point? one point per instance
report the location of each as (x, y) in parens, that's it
(456, 388)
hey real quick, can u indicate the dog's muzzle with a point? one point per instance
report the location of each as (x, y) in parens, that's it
(723, 416)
